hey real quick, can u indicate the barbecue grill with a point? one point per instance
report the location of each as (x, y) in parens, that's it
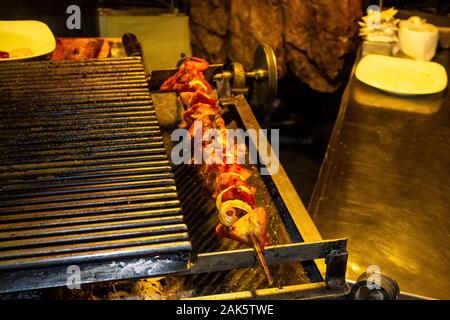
(84, 173)
(86, 181)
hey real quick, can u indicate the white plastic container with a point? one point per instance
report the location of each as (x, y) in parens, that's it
(418, 39)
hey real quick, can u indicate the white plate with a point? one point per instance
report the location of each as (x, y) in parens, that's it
(32, 36)
(401, 76)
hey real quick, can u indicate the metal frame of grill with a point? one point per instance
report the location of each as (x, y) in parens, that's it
(328, 257)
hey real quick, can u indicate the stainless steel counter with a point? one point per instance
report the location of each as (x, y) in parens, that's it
(385, 184)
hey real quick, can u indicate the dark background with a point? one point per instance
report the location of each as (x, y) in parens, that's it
(305, 117)
(53, 12)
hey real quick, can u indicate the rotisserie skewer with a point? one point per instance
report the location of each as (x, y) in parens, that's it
(262, 261)
(239, 217)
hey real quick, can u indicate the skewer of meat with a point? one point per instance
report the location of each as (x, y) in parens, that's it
(239, 217)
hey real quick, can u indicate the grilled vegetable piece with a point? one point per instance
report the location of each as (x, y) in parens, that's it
(200, 97)
(253, 223)
(189, 77)
(185, 98)
(230, 211)
(236, 192)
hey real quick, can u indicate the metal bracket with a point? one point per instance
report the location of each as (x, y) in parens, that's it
(336, 268)
(245, 258)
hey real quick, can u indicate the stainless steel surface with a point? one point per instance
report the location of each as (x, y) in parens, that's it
(84, 173)
(385, 184)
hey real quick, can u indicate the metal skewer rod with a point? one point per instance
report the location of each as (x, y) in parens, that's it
(261, 259)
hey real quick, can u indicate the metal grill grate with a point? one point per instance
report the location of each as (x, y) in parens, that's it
(83, 170)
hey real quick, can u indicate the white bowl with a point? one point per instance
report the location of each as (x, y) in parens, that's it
(31, 38)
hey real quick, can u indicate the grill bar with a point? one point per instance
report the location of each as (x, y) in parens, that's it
(84, 174)
(86, 185)
(142, 237)
(159, 206)
(137, 250)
